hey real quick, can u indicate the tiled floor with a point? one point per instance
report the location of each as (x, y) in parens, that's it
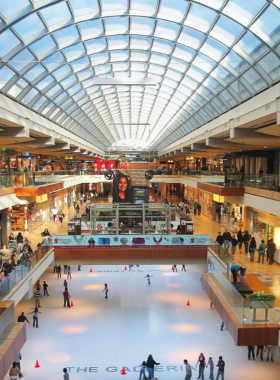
(98, 337)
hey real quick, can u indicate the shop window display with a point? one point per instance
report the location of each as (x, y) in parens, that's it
(18, 218)
(232, 217)
(35, 217)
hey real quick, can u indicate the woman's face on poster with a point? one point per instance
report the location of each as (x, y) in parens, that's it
(122, 185)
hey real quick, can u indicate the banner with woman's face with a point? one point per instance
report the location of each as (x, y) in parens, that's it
(130, 186)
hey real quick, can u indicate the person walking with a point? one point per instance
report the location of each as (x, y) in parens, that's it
(37, 296)
(210, 363)
(246, 239)
(106, 290)
(65, 268)
(219, 240)
(240, 240)
(201, 361)
(199, 208)
(35, 313)
(151, 366)
(261, 250)
(221, 368)
(183, 267)
(45, 286)
(66, 297)
(252, 248)
(251, 351)
(65, 284)
(194, 208)
(234, 244)
(269, 352)
(58, 270)
(69, 271)
(15, 371)
(174, 268)
(142, 370)
(17, 360)
(271, 249)
(188, 370)
(66, 374)
(260, 349)
(226, 238)
(23, 318)
(54, 212)
(19, 242)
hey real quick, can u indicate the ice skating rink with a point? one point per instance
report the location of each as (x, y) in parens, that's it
(98, 337)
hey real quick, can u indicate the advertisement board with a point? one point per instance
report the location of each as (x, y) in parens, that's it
(130, 187)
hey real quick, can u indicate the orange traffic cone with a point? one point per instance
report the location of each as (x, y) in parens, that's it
(188, 304)
(124, 269)
(72, 303)
(172, 268)
(123, 372)
(37, 364)
(90, 270)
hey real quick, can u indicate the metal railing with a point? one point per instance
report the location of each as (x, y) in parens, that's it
(9, 282)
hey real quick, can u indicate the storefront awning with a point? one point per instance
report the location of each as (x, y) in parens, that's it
(11, 200)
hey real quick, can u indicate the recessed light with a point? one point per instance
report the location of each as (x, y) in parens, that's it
(265, 146)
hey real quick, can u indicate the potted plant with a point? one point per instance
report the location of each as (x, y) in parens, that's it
(261, 299)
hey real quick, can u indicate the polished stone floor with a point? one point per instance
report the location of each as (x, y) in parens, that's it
(97, 337)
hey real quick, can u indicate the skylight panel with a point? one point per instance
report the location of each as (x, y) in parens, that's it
(29, 96)
(243, 11)
(67, 36)
(8, 41)
(172, 10)
(217, 4)
(213, 49)
(204, 63)
(65, 83)
(139, 56)
(196, 74)
(80, 64)
(235, 61)
(91, 29)
(221, 73)
(34, 72)
(226, 31)
(39, 103)
(251, 45)
(271, 64)
(120, 66)
(96, 45)
(166, 30)
(56, 14)
(53, 60)
(84, 9)
(144, 6)
(114, 5)
(5, 75)
(143, 43)
(267, 25)
(85, 74)
(200, 18)
(17, 88)
(118, 42)
(184, 89)
(100, 58)
(116, 25)
(183, 53)
(42, 46)
(9, 8)
(47, 108)
(190, 83)
(29, 26)
(74, 51)
(190, 37)
(212, 85)
(141, 25)
(62, 71)
(45, 82)
(162, 46)
(53, 91)
(178, 65)
(173, 75)
(159, 59)
(21, 60)
(254, 79)
(242, 92)
(60, 97)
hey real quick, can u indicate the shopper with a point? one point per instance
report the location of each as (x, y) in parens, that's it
(45, 286)
(45, 234)
(271, 249)
(37, 296)
(66, 374)
(234, 243)
(240, 240)
(11, 237)
(201, 361)
(251, 351)
(142, 370)
(194, 208)
(260, 349)
(188, 370)
(261, 250)
(210, 363)
(58, 270)
(61, 216)
(19, 242)
(17, 360)
(268, 348)
(246, 239)
(221, 368)
(66, 297)
(69, 271)
(35, 313)
(151, 366)
(65, 268)
(235, 268)
(15, 371)
(23, 318)
(252, 248)
(106, 290)
(54, 213)
(226, 238)
(199, 208)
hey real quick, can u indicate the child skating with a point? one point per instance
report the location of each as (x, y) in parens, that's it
(148, 278)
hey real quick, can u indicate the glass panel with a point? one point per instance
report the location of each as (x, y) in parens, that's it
(120, 42)
(267, 25)
(213, 49)
(143, 43)
(204, 63)
(114, 5)
(56, 13)
(196, 74)
(162, 46)
(91, 29)
(29, 96)
(8, 8)
(226, 31)
(16, 89)
(53, 60)
(240, 89)
(144, 5)
(229, 98)
(139, 56)
(178, 65)
(141, 25)
(80, 64)
(166, 30)
(116, 25)
(47, 108)
(34, 72)
(183, 53)
(254, 79)
(191, 38)
(235, 61)
(39, 103)
(243, 11)
(21, 59)
(5, 75)
(43, 45)
(74, 51)
(7, 42)
(172, 10)
(223, 74)
(251, 45)
(29, 26)
(62, 71)
(45, 82)
(271, 64)
(200, 18)
(53, 90)
(84, 9)
(67, 35)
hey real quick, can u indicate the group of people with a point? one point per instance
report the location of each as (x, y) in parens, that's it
(260, 351)
(202, 365)
(58, 215)
(227, 240)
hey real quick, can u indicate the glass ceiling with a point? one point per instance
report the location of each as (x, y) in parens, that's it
(207, 57)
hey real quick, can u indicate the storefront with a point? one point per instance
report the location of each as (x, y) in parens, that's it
(58, 200)
(264, 226)
(207, 207)
(232, 216)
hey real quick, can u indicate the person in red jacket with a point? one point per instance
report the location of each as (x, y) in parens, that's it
(66, 297)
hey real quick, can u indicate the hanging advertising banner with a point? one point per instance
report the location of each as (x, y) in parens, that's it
(130, 187)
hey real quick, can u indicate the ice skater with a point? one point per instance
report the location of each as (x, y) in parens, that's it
(183, 267)
(148, 278)
(45, 286)
(142, 370)
(106, 290)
